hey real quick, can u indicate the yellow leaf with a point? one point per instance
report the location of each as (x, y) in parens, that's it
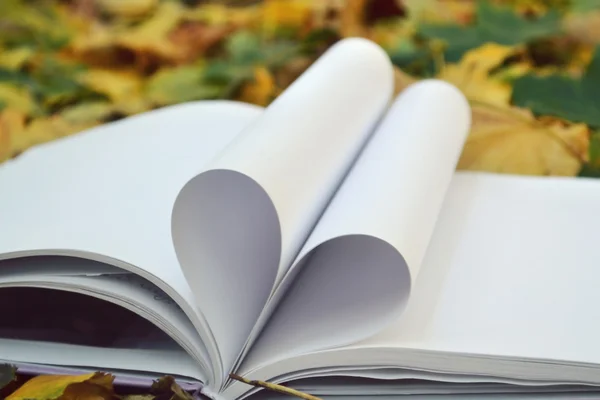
(12, 121)
(87, 113)
(511, 140)
(17, 98)
(262, 90)
(149, 38)
(51, 387)
(288, 13)
(72, 120)
(152, 34)
(127, 8)
(471, 74)
(14, 59)
(116, 85)
(440, 11)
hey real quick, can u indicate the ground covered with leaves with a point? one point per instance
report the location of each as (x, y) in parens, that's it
(530, 69)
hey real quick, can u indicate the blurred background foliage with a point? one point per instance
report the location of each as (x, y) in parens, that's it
(530, 68)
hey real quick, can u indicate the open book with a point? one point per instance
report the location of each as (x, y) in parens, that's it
(324, 238)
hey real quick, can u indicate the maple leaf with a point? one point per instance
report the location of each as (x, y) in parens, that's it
(493, 24)
(472, 74)
(572, 99)
(511, 140)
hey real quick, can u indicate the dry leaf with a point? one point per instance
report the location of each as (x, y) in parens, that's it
(87, 391)
(511, 140)
(123, 88)
(285, 13)
(471, 74)
(51, 387)
(193, 39)
(441, 11)
(12, 122)
(116, 85)
(127, 8)
(147, 42)
(14, 59)
(17, 98)
(167, 387)
(261, 90)
(70, 121)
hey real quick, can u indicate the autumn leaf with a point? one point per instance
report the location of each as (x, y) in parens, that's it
(53, 387)
(180, 84)
(493, 24)
(71, 120)
(472, 74)
(127, 8)
(18, 98)
(511, 140)
(262, 90)
(14, 59)
(12, 122)
(167, 387)
(124, 89)
(572, 99)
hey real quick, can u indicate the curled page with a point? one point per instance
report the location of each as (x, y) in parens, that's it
(238, 226)
(354, 275)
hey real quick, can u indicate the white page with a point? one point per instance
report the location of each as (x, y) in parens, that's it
(511, 271)
(107, 194)
(507, 289)
(367, 248)
(165, 361)
(243, 220)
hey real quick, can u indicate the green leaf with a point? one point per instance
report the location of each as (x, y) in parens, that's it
(7, 374)
(413, 59)
(244, 48)
(583, 6)
(459, 39)
(181, 84)
(493, 24)
(575, 100)
(503, 26)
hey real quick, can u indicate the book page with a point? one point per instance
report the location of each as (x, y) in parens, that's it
(243, 220)
(127, 290)
(511, 271)
(107, 194)
(507, 291)
(356, 271)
